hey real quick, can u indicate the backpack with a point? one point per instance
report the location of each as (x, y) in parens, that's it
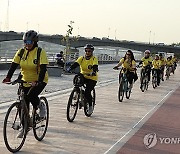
(38, 55)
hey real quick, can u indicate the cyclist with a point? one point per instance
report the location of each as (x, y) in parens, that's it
(31, 71)
(129, 64)
(162, 61)
(60, 59)
(169, 64)
(146, 62)
(156, 67)
(174, 60)
(88, 65)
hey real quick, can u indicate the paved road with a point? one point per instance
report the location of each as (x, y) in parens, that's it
(111, 122)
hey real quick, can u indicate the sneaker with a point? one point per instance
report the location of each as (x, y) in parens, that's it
(42, 108)
(90, 111)
(20, 134)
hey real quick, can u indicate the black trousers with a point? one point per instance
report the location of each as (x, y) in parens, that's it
(33, 94)
(158, 74)
(90, 84)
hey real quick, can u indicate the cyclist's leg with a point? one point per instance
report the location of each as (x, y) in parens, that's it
(130, 77)
(90, 84)
(33, 95)
(158, 76)
(149, 74)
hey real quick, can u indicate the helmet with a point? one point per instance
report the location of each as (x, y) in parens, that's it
(89, 46)
(31, 36)
(147, 51)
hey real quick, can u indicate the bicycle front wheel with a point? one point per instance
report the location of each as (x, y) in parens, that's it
(12, 126)
(121, 92)
(143, 85)
(154, 82)
(40, 124)
(128, 91)
(72, 105)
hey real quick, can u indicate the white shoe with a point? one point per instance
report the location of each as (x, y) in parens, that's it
(42, 108)
(90, 111)
(20, 134)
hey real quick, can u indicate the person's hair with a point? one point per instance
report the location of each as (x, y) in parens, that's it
(132, 55)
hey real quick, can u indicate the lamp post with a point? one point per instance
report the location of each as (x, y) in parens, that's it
(109, 32)
(115, 33)
(149, 37)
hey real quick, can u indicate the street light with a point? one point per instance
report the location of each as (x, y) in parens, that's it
(115, 33)
(149, 37)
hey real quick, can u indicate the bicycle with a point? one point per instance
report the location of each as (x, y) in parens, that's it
(154, 79)
(144, 79)
(124, 86)
(77, 98)
(168, 71)
(17, 118)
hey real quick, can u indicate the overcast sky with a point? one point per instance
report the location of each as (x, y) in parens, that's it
(135, 20)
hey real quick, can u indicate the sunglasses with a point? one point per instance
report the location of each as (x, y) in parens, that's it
(128, 54)
(88, 50)
(28, 42)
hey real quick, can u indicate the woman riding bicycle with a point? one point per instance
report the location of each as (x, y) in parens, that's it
(32, 70)
(129, 66)
(88, 65)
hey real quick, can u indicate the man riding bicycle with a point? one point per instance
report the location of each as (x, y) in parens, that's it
(146, 62)
(156, 68)
(32, 70)
(129, 65)
(88, 65)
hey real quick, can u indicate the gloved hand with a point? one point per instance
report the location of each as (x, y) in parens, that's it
(93, 73)
(6, 80)
(115, 68)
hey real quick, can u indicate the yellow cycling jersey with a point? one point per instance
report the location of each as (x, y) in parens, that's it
(28, 65)
(169, 62)
(128, 64)
(156, 64)
(146, 61)
(162, 62)
(86, 66)
(174, 59)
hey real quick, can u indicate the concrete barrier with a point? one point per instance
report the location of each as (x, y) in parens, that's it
(54, 71)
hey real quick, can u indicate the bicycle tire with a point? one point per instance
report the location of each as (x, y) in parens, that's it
(121, 92)
(143, 85)
(128, 91)
(154, 82)
(74, 105)
(86, 104)
(40, 125)
(15, 126)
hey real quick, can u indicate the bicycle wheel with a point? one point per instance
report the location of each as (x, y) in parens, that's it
(146, 83)
(86, 104)
(154, 82)
(40, 124)
(121, 92)
(12, 125)
(167, 74)
(128, 91)
(72, 105)
(143, 85)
